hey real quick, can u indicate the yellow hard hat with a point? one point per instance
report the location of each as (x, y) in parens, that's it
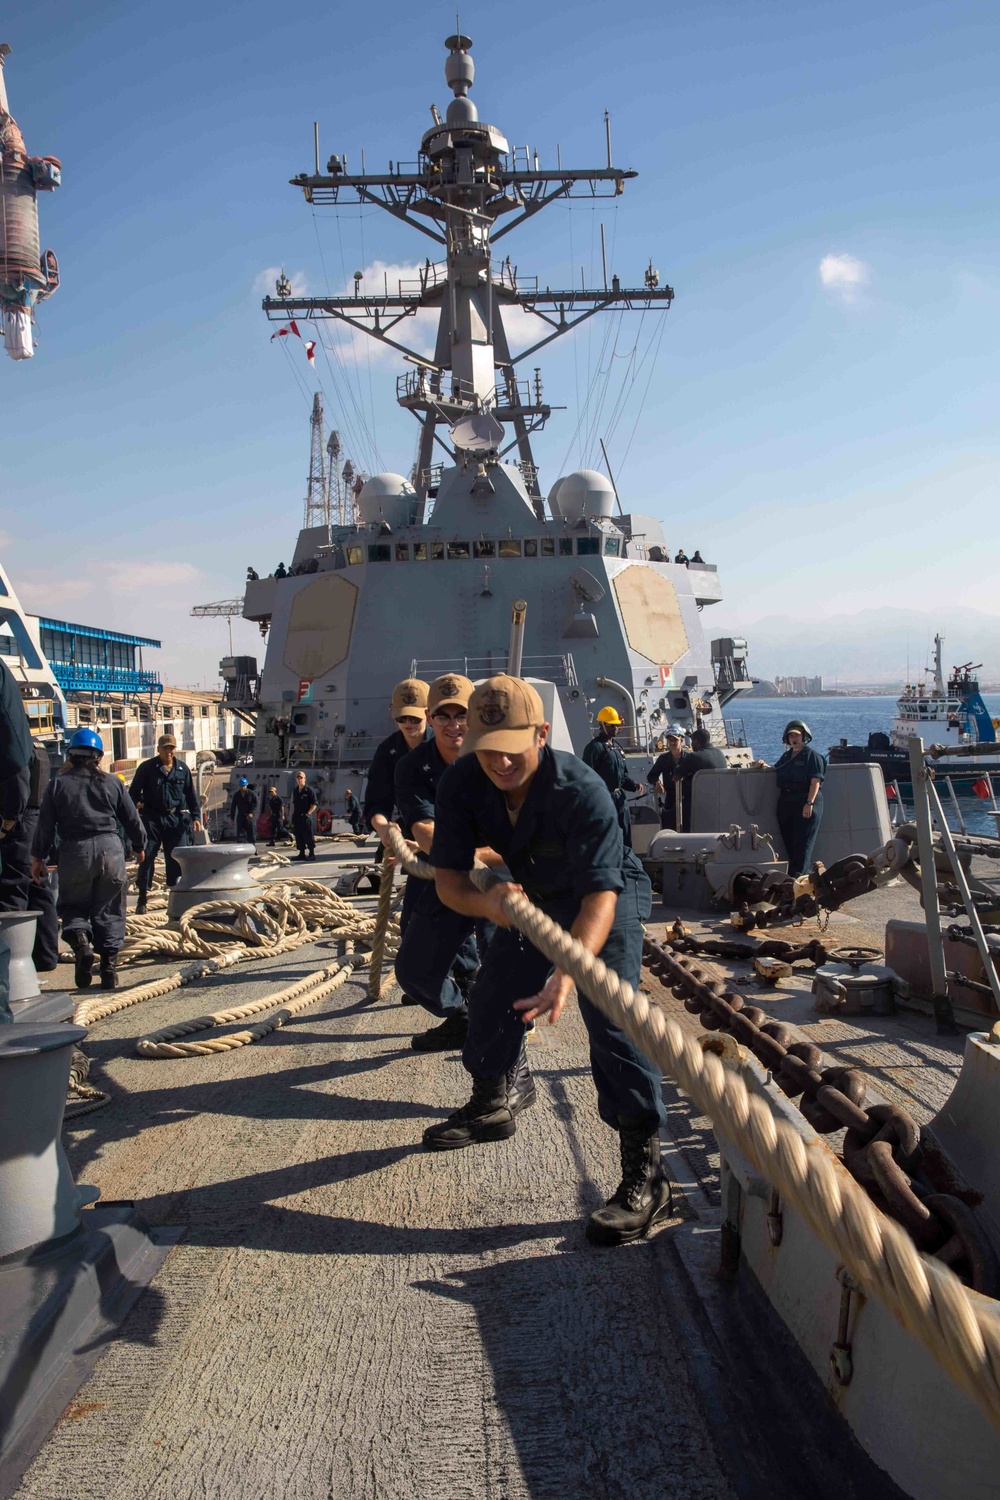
(610, 716)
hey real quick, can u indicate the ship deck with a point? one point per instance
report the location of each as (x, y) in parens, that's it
(348, 1316)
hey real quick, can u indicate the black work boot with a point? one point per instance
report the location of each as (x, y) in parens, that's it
(486, 1117)
(109, 970)
(83, 953)
(140, 905)
(643, 1197)
(447, 1037)
(520, 1084)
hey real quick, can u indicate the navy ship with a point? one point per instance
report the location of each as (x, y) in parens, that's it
(417, 573)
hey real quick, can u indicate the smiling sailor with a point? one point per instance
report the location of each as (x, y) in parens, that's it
(554, 823)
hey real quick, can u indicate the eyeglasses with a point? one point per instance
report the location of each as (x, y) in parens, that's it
(408, 719)
(460, 718)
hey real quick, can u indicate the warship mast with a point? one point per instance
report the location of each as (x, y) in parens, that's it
(467, 190)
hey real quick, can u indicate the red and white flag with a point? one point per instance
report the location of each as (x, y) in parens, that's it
(283, 333)
(311, 351)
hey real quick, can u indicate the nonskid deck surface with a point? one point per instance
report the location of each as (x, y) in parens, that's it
(350, 1316)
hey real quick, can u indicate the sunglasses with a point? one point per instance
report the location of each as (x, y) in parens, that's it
(408, 719)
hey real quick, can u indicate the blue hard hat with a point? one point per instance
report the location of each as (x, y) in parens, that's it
(87, 739)
(243, 781)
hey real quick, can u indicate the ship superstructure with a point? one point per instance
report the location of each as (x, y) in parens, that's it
(424, 578)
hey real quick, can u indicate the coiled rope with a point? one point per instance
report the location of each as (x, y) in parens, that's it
(958, 1327)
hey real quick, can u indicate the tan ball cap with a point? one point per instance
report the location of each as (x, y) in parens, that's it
(411, 693)
(449, 689)
(164, 740)
(504, 714)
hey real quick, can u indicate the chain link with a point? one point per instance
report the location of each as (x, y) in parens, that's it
(883, 1145)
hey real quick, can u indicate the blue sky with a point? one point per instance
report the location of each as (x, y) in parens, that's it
(817, 181)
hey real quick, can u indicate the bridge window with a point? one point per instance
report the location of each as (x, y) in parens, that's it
(548, 546)
(402, 551)
(354, 555)
(531, 547)
(510, 548)
(437, 551)
(612, 546)
(419, 551)
(565, 546)
(458, 551)
(379, 552)
(484, 549)
(588, 546)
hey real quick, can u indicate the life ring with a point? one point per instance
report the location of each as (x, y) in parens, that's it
(324, 820)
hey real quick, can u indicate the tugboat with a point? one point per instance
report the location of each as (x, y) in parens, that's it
(951, 714)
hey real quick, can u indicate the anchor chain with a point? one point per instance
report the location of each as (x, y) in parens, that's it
(882, 1147)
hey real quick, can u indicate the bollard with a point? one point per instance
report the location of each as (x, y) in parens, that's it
(66, 1279)
(211, 872)
(17, 939)
(39, 1203)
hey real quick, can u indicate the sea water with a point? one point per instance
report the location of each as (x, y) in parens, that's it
(853, 719)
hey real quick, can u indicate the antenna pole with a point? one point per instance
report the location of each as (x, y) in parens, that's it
(607, 134)
(316, 144)
(604, 258)
(607, 465)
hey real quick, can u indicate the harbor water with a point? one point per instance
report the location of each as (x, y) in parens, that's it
(853, 719)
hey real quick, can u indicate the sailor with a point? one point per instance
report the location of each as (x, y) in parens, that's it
(551, 821)
(438, 956)
(696, 557)
(799, 772)
(281, 571)
(163, 791)
(20, 800)
(606, 758)
(703, 756)
(241, 810)
(352, 811)
(276, 811)
(682, 557)
(303, 807)
(409, 712)
(662, 775)
(85, 808)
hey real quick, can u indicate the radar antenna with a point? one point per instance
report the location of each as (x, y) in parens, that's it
(467, 179)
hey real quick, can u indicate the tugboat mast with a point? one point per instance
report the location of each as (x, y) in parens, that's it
(466, 180)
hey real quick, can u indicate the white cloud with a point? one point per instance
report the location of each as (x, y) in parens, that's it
(264, 281)
(843, 274)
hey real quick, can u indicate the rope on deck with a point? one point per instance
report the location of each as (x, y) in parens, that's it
(958, 1327)
(382, 916)
(298, 996)
(284, 917)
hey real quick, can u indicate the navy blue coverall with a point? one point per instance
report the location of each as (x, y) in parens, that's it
(241, 810)
(438, 946)
(168, 803)
(85, 808)
(793, 773)
(303, 805)
(20, 799)
(602, 755)
(380, 789)
(566, 844)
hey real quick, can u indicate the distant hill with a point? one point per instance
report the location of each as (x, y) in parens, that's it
(868, 647)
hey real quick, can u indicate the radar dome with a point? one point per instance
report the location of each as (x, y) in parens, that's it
(387, 497)
(554, 510)
(586, 495)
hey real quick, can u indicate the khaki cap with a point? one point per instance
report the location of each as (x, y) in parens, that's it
(166, 739)
(450, 689)
(410, 693)
(504, 713)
